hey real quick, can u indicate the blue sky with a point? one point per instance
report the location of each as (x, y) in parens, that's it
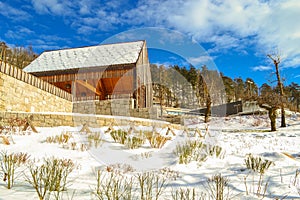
(233, 36)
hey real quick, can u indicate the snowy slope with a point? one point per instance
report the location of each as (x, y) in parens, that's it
(238, 136)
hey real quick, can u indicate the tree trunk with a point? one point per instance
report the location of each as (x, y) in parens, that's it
(283, 123)
(280, 86)
(272, 116)
(208, 109)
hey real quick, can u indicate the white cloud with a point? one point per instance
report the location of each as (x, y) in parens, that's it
(13, 13)
(228, 24)
(166, 64)
(55, 7)
(12, 35)
(200, 60)
(262, 68)
(86, 30)
(89, 16)
(25, 30)
(45, 44)
(18, 32)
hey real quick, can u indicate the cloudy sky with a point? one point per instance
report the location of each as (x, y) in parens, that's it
(236, 35)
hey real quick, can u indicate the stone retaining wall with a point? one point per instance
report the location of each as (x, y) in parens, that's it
(16, 95)
(115, 107)
(65, 119)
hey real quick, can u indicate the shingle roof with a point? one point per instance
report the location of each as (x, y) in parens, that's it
(86, 57)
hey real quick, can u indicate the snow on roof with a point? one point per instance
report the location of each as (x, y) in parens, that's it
(85, 57)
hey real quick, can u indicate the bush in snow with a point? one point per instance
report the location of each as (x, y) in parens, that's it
(95, 139)
(134, 142)
(63, 138)
(218, 187)
(119, 136)
(216, 151)
(295, 182)
(156, 140)
(196, 151)
(150, 185)
(9, 164)
(184, 194)
(50, 177)
(111, 185)
(257, 164)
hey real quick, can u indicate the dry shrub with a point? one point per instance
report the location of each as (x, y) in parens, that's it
(73, 145)
(15, 124)
(12, 127)
(95, 139)
(60, 139)
(257, 164)
(185, 194)
(146, 155)
(169, 173)
(150, 185)
(50, 177)
(134, 142)
(156, 140)
(195, 150)
(257, 122)
(119, 136)
(119, 168)
(113, 186)
(9, 164)
(5, 140)
(218, 187)
(83, 147)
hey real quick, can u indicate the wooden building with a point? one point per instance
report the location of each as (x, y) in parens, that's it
(101, 72)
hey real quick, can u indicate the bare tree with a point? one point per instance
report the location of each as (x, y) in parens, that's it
(17, 56)
(271, 102)
(203, 92)
(3, 52)
(276, 60)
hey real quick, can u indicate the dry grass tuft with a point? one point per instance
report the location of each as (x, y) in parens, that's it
(5, 140)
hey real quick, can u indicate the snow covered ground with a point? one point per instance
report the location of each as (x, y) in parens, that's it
(238, 136)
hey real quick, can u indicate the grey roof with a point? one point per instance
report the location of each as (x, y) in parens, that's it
(86, 57)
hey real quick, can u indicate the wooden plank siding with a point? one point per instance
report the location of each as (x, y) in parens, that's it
(95, 85)
(143, 82)
(87, 75)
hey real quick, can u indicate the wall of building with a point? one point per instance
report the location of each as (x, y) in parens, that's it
(20, 91)
(222, 110)
(115, 107)
(144, 80)
(250, 107)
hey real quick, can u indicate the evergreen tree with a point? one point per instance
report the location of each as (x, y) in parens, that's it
(230, 86)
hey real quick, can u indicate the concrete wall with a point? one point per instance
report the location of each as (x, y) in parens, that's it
(16, 95)
(222, 110)
(251, 107)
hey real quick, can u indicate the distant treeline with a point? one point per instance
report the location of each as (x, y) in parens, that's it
(180, 86)
(17, 56)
